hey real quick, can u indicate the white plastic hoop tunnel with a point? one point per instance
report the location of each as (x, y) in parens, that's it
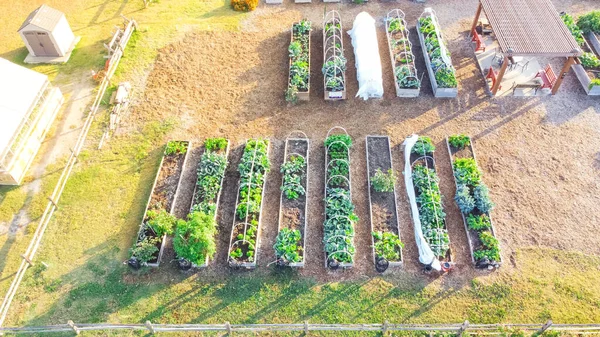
(368, 61)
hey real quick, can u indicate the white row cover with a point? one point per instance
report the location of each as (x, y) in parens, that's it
(368, 62)
(426, 255)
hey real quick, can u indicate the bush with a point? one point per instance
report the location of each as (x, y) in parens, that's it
(383, 182)
(194, 239)
(589, 22)
(459, 141)
(423, 146)
(244, 5)
(589, 60)
(482, 199)
(464, 200)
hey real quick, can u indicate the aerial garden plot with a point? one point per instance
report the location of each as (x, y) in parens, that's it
(587, 67)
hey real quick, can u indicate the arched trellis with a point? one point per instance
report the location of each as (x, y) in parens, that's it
(334, 62)
(445, 63)
(406, 52)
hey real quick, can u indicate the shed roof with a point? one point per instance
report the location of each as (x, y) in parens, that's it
(19, 90)
(530, 27)
(45, 17)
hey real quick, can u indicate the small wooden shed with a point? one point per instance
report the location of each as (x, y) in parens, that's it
(47, 35)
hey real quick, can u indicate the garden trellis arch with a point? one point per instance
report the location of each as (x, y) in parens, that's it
(405, 74)
(334, 62)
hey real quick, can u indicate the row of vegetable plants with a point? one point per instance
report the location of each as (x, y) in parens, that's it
(299, 52)
(442, 74)
(158, 220)
(472, 198)
(429, 200)
(334, 62)
(587, 68)
(339, 210)
(385, 229)
(194, 239)
(253, 169)
(406, 79)
(291, 238)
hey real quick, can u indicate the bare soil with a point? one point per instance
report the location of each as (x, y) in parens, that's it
(167, 183)
(540, 156)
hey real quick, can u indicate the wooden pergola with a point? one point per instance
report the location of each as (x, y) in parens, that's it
(529, 28)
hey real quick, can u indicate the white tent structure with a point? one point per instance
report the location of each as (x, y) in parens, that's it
(47, 36)
(368, 62)
(28, 106)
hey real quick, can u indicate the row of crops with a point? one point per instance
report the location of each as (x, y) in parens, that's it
(406, 78)
(194, 237)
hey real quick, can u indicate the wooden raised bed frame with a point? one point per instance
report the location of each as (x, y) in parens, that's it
(160, 166)
(401, 92)
(248, 265)
(437, 92)
(291, 143)
(337, 33)
(581, 73)
(472, 235)
(216, 201)
(302, 95)
(393, 225)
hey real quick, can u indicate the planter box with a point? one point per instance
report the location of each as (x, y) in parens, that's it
(194, 198)
(302, 1)
(472, 235)
(585, 80)
(300, 147)
(236, 222)
(160, 182)
(331, 52)
(302, 95)
(379, 156)
(400, 92)
(437, 92)
(274, 2)
(332, 0)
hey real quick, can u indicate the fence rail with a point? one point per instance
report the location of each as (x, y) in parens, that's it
(306, 327)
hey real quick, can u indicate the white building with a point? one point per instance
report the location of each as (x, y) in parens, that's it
(28, 106)
(47, 36)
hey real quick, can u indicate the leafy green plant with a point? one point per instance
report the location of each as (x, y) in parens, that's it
(459, 141)
(293, 170)
(176, 147)
(446, 78)
(573, 28)
(194, 239)
(464, 199)
(161, 222)
(145, 249)
(395, 25)
(406, 78)
(291, 95)
(387, 245)
(215, 144)
(236, 253)
(423, 146)
(482, 199)
(287, 245)
(338, 172)
(445, 74)
(339, 225)
(491, 247)
(478, 222)
(383, 182)
(466, 171)
(594, 82)
(590, 22)
(302, 27)
(211, 172)
(295, 49)
(589, 61)
(333, 143)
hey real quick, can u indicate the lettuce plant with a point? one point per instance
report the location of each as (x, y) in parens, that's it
(482, 199)
(464, 199)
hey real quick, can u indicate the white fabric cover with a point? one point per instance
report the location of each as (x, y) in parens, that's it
(426, 255)
(366, 51)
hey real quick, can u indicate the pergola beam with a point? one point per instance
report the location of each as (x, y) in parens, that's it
(500, 76)
(562, 74)
(477, 16)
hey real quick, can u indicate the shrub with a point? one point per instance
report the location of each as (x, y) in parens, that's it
(459, 141)
(589, 60)
(589, 22)
(463, 199)
(161, 222)
(194, 239)
(145, 249)
(478, 222)
(423, 146)
(466, 171)
(244, 5)
(482, 199)
(383, 182)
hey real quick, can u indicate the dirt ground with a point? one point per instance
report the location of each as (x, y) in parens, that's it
(540, 156)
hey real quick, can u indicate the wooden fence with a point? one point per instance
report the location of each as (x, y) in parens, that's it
(306, 327)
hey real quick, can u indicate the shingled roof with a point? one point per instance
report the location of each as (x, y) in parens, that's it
(45, 17)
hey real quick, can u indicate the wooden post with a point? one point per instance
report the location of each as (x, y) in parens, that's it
(72, 325)
(545, 327)
(463, 328)
(564, 71)
(500, 75)
(384, 329)
(305, 328)
(27, 259)
(150, 327)
(476, 19)
(228, 327)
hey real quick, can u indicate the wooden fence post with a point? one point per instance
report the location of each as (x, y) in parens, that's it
(545, 327)
(305, 328)
(150, 327)
(228, 327)
(384, 328)
(72, 325)
(463, 328)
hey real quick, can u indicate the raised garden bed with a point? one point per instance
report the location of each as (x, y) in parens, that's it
(290, 244)
(406, 80)
(299, 75)
(442, 74)
(253, 168)
(275, 2)
(334, 62)
(194, 240)
(385, 230)
(427, 209)
(158, 220)
(339, 210)
(474, 203)
(587, 66)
